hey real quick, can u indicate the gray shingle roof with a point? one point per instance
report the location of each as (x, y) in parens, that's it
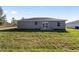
(43, 19)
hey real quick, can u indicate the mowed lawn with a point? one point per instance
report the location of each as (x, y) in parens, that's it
(40, 41)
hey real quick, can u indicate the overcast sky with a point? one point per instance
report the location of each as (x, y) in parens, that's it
(62, 12)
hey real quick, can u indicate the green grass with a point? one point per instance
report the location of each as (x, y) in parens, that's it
(39, 41)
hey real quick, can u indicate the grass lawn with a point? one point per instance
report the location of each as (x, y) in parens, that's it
(39, 41)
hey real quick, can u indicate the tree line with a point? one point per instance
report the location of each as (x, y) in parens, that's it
(3, 19)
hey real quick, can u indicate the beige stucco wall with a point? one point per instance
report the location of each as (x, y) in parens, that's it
(31, 25)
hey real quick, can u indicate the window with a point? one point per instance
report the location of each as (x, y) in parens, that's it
(76, 27)
(36, 23)
(58, 24)
(45, 25)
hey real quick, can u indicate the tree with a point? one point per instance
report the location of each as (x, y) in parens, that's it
(2, 17)
(14, 22)
(1, 12)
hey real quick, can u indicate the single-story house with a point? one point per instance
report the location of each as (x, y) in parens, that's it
(41, 23)
(73, 24)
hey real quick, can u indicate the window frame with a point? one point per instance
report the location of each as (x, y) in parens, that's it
(58, 24)
(36, 23)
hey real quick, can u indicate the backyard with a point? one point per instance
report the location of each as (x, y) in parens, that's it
(39, 41)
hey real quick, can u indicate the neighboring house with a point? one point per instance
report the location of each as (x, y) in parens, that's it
(73, 24)
(41, 23)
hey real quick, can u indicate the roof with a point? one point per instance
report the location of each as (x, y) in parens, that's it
(42, 19)
(74, 22)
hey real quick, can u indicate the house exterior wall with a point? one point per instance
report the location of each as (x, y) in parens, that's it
(72, 25)
(31, 25)
(53, 25)
(28, 25)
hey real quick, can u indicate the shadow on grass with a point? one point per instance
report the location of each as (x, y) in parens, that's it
(33, 30)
